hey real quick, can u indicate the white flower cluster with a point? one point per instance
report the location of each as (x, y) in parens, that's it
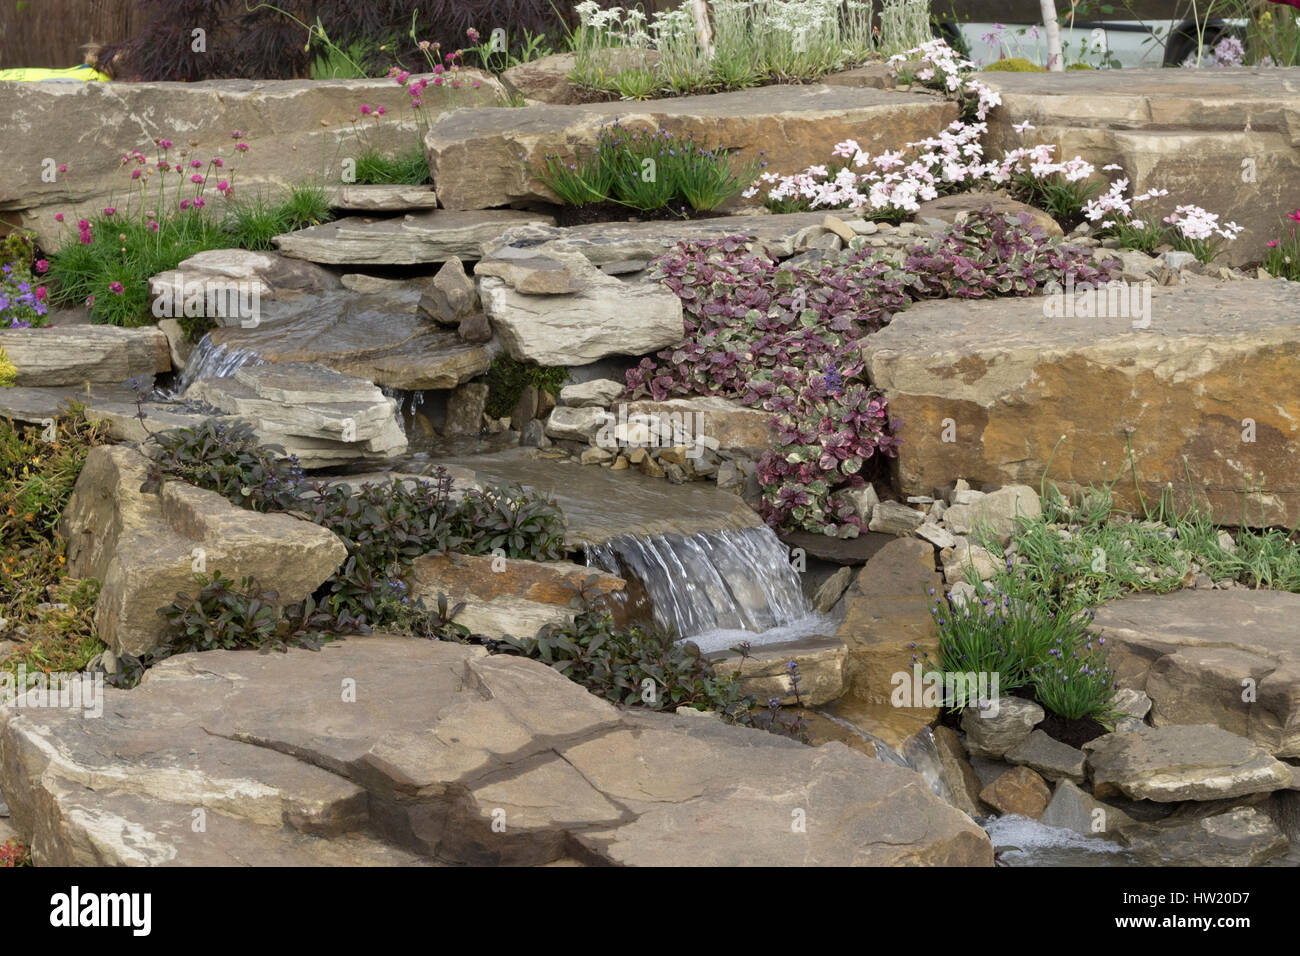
(940, 63)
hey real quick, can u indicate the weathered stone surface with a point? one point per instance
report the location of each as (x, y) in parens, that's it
(949, 209)
(1015, 381)
(887, 622)
(451, 295)
(382, 338)
(397, 198)
(1019, 791)
(322, 416)
(440, 740)
(1241, 837)
(1078, 810)
(607, 317)
(142, 547)
(1190, 762)
(766, 673)
(1049, 757)
(599, 392)
(1196, 652)
(516, 599)
(598, 505)
(992, 731)
(609, 243)
(84, 353)
(577, 424)
(958, 774)
(545, 79)
(1186, 131)
(434, 236)
(229, 281)
(465, 409)
(530, 273)
(830, 591)
(968, 563)
(894, 517)
(845, 551)
(995, 512)
(474, 155)
(289, 126)
(733, 426)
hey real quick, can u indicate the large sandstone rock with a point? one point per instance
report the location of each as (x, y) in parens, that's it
(381, 337)
(1215, 365)
(434, 748)
(74, 355)
(506, 596)
(765, 673)
(735, 427)
(322, 416)
(606, 317)
(289, 126)
(948, 209)
(1229, 658)
(993, 731)
(434, 236)
(1227, 140)
(144, 547)
(1190, 762)
(477, 156)
(887, 622)
(1019, 791)
(397, 198)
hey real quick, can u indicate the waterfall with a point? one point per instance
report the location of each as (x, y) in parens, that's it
(716, 588)
(213, 361)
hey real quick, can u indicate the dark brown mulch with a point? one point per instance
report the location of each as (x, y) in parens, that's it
(615, 212)
(1076, 733)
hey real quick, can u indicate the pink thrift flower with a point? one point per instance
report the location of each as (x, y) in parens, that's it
(219, 163)
(242, 147)
(1295, 215)
(198, 202)
(196, 178)
(58, 217)
(90, 301)
(403, 76)
(236, 134)
(153, 226)
(83, 225)
(164, 166)
(109, 210)
(437, 81)
(1272, 243)
(165, 143)
(196, 164)
(41, 293)
(185, 204)
(42, 265)
(223, 186)
(135, 174)
(365, 110)
(472, 34)
(116, 288)
(379, 110)
(63, 168)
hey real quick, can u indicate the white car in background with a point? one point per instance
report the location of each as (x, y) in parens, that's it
(1129, 36)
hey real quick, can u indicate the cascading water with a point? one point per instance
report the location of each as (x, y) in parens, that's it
(213, 361)
(716, 588)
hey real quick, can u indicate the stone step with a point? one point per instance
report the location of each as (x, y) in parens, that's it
(75, 355)
(1215, 364)
(398, 198)
(421, 238)
(1225, 140)
(477, 157)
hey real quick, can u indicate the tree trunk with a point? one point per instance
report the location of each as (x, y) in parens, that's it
(1055, 58)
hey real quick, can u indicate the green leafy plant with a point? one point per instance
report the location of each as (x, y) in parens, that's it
(8, 371)
(506, 378)
(518, 521)
(221, 616)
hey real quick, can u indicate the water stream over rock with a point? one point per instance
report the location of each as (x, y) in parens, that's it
(213, 361)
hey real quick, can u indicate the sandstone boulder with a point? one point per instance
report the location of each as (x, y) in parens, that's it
(1241, 837)
(475, 155)
(144, 548)
(993, 731)
(1019, 791)
(1013, 381)
(765, 673)
(439, 743)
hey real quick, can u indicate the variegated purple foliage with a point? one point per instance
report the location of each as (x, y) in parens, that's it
(786, 340)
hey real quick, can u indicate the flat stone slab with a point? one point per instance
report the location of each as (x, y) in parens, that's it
(477, 157)
(380, 337)
(384, 198)
(1013, 380)
(605, 243)
(1186, 762)
(114, 404)
(74, 355)
(433, 236)
(1229, 658)
(421, 759)
(765, 673)
(599, 504)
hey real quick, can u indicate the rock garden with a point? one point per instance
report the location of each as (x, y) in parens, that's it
(738, 434)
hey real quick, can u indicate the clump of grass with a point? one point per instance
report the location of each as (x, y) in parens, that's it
(253, 222)
(405, 169)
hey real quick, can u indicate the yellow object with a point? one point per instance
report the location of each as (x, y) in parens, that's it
(32, 74)
(1014, 65)
(8, 373)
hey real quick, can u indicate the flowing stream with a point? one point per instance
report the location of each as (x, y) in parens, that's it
(717, 587)
(213, 361)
